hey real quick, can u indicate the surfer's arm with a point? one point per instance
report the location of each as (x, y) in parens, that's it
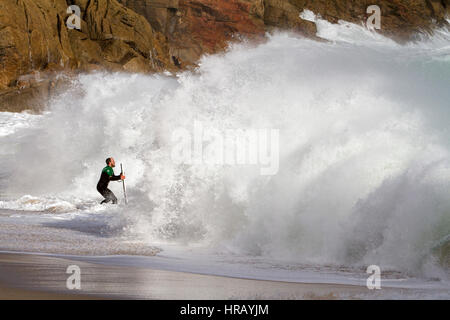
(114, 178)
(109, 171)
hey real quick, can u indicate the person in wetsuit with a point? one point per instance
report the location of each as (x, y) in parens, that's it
(107, 176)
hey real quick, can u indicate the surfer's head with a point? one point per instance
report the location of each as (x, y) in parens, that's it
(110, 162)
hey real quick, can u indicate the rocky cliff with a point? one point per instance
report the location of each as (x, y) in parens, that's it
(157, 35)
(194, 27)
(36, 44)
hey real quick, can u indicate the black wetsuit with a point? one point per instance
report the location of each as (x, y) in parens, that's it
(102, 185)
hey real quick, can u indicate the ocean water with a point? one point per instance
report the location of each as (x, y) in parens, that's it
(363, 173)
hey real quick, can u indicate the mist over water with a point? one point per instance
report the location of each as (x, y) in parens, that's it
(364, 161)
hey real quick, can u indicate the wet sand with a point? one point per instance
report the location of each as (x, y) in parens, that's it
(29, 276)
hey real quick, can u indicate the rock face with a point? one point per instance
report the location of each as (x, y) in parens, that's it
(157, 35)
(35, 42)
(400, 19)
(194, 27)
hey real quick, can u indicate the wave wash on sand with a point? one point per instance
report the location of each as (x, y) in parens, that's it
(364, 152)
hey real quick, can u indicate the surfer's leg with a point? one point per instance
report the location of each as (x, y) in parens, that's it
(109, 196)
(113, 197)
(105, 193)
(102, 192)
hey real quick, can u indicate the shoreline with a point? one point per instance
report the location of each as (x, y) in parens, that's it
(36, 276)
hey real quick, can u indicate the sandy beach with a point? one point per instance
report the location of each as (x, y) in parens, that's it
(28, 276)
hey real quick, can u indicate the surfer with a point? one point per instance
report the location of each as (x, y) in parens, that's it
(107, 176)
